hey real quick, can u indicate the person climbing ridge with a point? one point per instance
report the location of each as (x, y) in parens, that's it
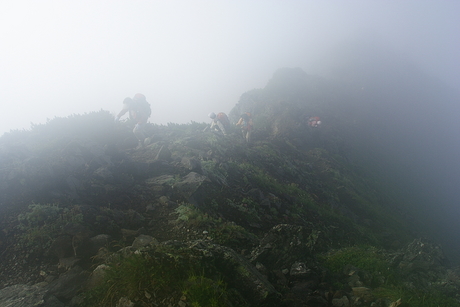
(314, 122)
(219, 122)
(139, 112)
(246, 125)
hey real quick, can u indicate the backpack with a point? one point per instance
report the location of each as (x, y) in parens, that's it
(247, 121)
(222, 117)
(313, 121)
(141, 106)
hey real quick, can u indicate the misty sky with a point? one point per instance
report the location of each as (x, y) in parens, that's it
(189, 58)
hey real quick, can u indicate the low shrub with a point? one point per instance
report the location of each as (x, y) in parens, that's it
(155, 277)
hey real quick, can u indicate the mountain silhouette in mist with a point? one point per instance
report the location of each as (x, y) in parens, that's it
(410, 121)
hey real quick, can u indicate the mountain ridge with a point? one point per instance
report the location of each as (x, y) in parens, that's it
(288, 220)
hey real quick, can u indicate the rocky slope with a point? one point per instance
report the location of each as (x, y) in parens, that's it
(199, 219)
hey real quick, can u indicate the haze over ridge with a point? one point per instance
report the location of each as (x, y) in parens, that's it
(195, 57)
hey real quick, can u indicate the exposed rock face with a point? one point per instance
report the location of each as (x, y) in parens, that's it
(53, 294)
(26, 296)
(421, 262)
(422, 255)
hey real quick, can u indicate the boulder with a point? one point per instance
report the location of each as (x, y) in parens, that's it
(68, 284)
(144, 240)
(97, 276)
(192, 164)
(164, 154)
(26, 296)
(161, 185)
(194, 188)
(43, 294)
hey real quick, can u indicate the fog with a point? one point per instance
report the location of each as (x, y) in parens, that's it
(192, 57)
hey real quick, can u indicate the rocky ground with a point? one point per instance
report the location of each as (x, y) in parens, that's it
(267, 224)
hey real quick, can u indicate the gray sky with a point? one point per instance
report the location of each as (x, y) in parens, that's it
(192, 57)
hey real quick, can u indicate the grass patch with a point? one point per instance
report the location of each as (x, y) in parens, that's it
(194, 217)
(369, 259)
(201, 291)
(363, 257)
(222, 232)
(42, 224)
(158, 276)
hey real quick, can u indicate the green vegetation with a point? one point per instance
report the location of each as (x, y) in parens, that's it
(313, 181)
(365, 258)
(373, 262)
(44, 139)
(201, 291)
(42, 224)
(146, 278)
(222, 232)
(291, 179)
(138, 277)
(215, 172)
(232, 235)
(194, 217)
(415, 298)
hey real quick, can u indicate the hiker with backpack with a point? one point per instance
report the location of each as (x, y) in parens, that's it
(314, 122)
(139, 112)
(246, 125)
(219, 122)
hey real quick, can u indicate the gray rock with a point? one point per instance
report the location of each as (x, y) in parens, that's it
(190, 183)
(97, 276)
(68, 284)
(299, 270)
(68, 262)
(45, 295)
(193, 188)
(363, 294)
(160, 167)
(165, 201)
(144, 240)
(125, 302)
(147, 141)
(163, 154)
(422, 255)
(339, 302)
(285, 244)
(23, 296)
(161, 180)
(192, 164)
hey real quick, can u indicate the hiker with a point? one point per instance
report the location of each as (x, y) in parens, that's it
(219, 122)
(246, 125)
(139, 112)
(314, 122)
